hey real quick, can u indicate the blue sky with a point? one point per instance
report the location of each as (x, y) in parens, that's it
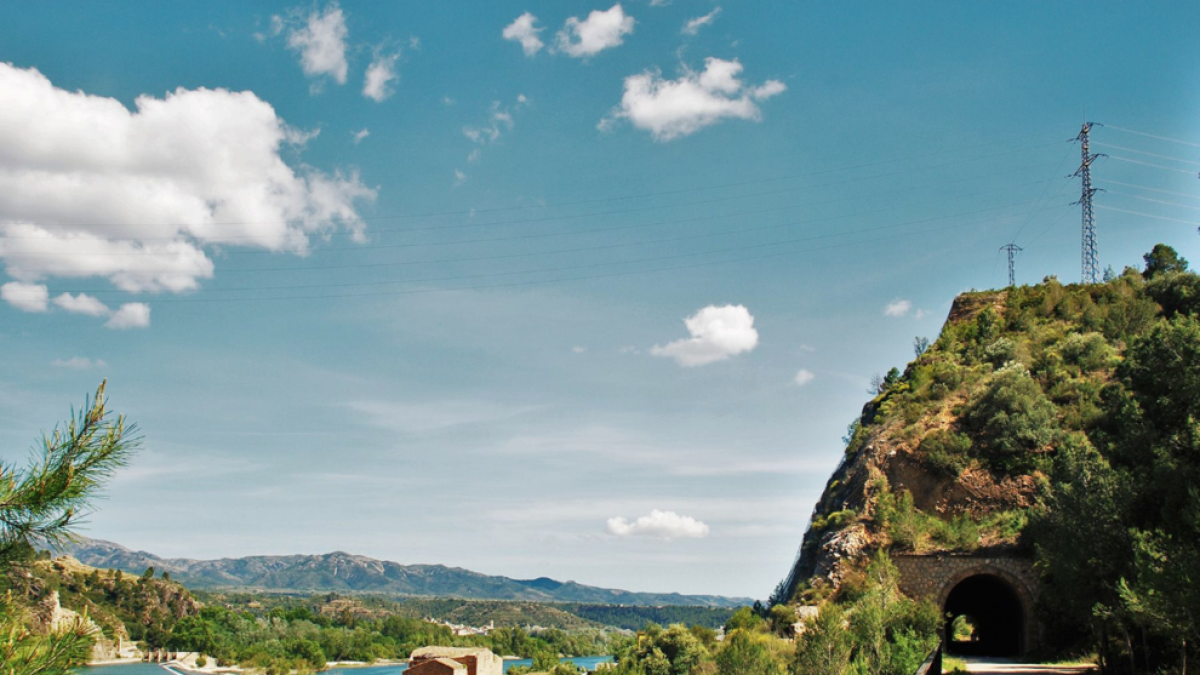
(571, 289)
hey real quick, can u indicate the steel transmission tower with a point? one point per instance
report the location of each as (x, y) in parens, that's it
(1091, 259)
(1012, 249)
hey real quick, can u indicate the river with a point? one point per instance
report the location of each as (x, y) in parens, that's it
(588, 662)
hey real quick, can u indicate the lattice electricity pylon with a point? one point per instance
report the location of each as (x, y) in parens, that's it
(1013, 250)
(1091, 258)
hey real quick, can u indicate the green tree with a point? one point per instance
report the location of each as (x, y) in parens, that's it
(1012, 421)
(824, 648)
(1163, 259)
(746, 654)
(41, 502)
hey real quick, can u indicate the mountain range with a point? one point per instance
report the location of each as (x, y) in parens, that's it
(347, 573)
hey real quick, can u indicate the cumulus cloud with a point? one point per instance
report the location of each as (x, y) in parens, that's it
(500, 120)
(81, 304)
(693, 26)
(79, 363)
(381, 72)
(89, 188)
(130, 315)
(717, 334)
(578, 349)
(670, 109)
(360, 135)
(599, 31)
(25, 297)
(659, 525)
(897, 308)
(524, 31)
(320, 39)
(803, 377)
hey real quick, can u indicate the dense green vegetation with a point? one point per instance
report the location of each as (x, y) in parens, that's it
(1091, 395)
(633, 618)
(295, 637)
(868, 628)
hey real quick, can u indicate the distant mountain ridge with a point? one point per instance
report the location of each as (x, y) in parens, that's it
(344, 572)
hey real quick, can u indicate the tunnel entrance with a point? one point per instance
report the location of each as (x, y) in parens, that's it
(984, 617)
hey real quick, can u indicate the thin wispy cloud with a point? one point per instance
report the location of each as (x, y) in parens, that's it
(803, 377)
(79, 363)
(659, 525)
(897, 308)
(377, 83)
(693, 26)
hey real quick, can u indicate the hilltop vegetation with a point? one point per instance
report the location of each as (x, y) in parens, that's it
(1061, 420)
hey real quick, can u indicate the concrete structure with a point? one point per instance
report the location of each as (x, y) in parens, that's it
(996, 590)
(439, 666)
(476, 660)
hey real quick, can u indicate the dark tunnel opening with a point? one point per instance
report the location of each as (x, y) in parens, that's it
(994, 620)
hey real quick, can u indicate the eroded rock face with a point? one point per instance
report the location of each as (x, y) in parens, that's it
(836, 548)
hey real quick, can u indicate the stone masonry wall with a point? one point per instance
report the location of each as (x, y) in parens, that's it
(932, 577)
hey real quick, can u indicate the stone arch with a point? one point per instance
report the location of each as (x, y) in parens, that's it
(934, 577)
(1000, 605)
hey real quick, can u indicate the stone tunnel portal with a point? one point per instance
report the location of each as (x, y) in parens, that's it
(995, 618)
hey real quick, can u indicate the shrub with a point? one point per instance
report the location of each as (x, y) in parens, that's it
(947, 452)
(1000, 352)
(1012, 422)
(1089, 351)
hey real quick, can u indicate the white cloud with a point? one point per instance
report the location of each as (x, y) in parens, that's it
(89, 188)
(81, 304)
(459, 177)
(523, 30)
(897, 308)
(380, 73)
(717, 334)
(321, 41)
(500, 120)
(578, 349)
(360, 135)
(599, 31)
(429, 416)
(659, 525)
(25, 297)
(670, 109)
(803, 377)
(921, 313)
(79, 363)
(693, 26)
(130, 315)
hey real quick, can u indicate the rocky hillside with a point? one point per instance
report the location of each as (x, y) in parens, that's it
(344, 572)
(952, 453)
(123, 607)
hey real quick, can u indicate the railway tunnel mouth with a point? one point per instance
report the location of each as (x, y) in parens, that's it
(984, 617)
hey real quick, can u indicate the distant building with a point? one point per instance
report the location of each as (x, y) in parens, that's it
(436, 661)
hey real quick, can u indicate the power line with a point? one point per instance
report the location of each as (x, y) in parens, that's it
(710, 200)
(701, 235)
(1156, 201)
(1161, 138)
(1147, 215)
(1156, 166)
(580, 267)
(559, 280)
(1143, 187)
(1150, 154)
